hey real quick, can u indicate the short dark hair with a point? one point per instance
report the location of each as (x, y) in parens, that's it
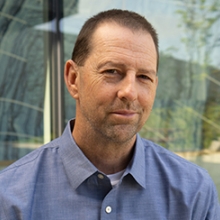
(123, 18)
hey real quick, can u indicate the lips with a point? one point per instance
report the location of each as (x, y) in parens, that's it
(124, 115)
(124, 112)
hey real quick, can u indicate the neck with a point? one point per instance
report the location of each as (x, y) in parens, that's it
(108, 157)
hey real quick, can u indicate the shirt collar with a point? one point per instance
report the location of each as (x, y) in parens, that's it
(79, 168)
(137, 165)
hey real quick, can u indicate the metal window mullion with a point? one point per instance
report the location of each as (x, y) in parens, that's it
(57, 67)
(54, 62)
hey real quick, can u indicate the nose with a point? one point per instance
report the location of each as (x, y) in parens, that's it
(128, 88)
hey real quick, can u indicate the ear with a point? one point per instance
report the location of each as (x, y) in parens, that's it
(71, 78)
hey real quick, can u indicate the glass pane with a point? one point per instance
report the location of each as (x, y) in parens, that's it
(22, 79)
(185, 118)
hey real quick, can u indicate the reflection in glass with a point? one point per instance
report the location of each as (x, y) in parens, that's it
(21, 78)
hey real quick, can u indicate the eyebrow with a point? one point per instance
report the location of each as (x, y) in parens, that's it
(121, 65)
(110, 63)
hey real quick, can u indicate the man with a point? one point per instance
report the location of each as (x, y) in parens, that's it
(100, 168)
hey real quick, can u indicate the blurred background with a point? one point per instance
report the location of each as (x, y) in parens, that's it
(37, 37)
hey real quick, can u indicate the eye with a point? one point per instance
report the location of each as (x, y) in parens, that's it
(145, 77)
(111, 71)
(112, 75)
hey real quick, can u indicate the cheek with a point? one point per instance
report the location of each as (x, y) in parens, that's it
(104, 89)
(96, 95)
(146, 100)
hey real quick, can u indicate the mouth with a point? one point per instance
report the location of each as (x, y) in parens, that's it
(124, 113)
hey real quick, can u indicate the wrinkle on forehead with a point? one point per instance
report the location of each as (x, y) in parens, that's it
(144, 61)
(122, 42)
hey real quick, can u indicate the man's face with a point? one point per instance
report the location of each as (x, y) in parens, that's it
(117, 84)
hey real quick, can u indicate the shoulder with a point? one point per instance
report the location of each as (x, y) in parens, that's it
(28, 164)
(180, 178)
(168, 157)
(175, 170)
(19, 181)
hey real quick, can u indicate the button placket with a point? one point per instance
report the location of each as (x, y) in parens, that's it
(109, 206)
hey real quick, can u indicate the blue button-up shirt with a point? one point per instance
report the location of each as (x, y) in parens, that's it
(57, 182)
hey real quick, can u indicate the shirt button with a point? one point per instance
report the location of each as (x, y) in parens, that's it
(100, 176)
(108, 209)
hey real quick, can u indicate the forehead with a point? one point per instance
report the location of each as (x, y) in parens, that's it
(113, 41)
